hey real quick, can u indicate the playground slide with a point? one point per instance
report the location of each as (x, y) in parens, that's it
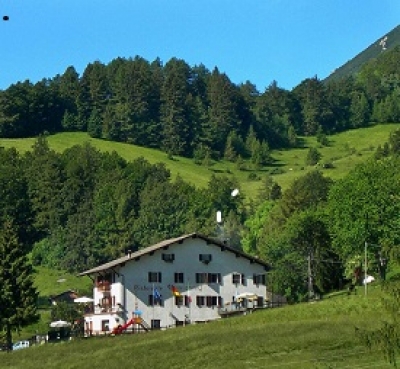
(122, 328)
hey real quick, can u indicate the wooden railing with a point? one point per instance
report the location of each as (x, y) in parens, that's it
(103, 286)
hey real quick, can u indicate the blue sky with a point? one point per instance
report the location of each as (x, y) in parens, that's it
(255, 40)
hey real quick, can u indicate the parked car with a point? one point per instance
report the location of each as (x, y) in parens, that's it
(20, 345)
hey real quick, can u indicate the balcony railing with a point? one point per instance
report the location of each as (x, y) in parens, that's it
(98, 309)
(103, 286)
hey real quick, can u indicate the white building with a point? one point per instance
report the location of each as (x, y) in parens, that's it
(206, 274)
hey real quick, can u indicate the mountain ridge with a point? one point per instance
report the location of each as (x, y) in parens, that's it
(383, 44)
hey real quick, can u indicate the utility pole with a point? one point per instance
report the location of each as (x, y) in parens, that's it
(310, 277)
(365, 267)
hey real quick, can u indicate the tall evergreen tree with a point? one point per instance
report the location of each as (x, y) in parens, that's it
(359, 110)
(175, 113)
(18, 296)
(222, 109)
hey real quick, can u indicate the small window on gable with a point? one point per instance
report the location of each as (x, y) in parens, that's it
(168, 258)
(205, 258)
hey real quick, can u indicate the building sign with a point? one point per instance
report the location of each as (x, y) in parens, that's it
(137, 287)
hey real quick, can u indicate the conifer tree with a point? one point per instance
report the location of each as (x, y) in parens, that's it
(18, 295)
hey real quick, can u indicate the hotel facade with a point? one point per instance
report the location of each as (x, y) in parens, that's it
(184, 280)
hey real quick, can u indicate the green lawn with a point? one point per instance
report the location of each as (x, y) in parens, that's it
(49, 283)
(346, 150)
(310, 335)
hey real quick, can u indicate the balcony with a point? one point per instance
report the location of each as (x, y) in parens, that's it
(103, 286)
(105, 308)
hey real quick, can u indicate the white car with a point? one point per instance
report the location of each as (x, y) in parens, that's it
(20, 345)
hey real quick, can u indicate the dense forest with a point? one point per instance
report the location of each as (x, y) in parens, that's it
(198, 113)
(77, 209)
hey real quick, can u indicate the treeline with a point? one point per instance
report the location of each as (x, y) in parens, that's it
(318, 228)
(80, 208)
(195, 112)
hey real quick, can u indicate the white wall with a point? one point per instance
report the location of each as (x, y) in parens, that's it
(135, 276)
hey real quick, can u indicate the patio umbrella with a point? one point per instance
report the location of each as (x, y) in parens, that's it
(83, 300)
(59, 324)
(247, 295)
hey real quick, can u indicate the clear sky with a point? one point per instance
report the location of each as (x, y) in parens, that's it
(255, 40)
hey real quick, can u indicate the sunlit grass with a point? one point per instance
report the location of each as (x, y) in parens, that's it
(345, 151)
(309, 335)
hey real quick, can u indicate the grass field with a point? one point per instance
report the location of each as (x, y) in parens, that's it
(309, 335)
(345, 150)
(50, 283)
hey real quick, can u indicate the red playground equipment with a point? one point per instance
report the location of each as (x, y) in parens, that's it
(135, 320)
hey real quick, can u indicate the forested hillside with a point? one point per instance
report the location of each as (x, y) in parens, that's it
(198, 113)
(81, 207)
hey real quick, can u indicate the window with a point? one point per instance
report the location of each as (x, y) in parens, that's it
(152, 301)
(205, 258)
(201, 277)
(179, 300)
(188, 300)
(200, 300)
(178, 277)
(168, 258)
(214, 277)
(212, 300)
(105, 325)
(259, 279)
(155, 324)
(154, 277)
(244, 280)
(236, 277)
(208, 278)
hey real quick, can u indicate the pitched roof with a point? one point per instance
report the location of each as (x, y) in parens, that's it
(122, 260)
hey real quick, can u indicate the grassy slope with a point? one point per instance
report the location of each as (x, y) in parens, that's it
(345, 151)
(49, 283)
(319, 335)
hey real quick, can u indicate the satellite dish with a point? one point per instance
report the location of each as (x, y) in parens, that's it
(219, 217)
(235, 192)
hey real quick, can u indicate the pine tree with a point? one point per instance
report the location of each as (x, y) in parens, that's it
(18, 295)
(313, 156)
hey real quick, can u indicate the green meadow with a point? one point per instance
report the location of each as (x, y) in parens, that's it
(310, 335)
(345, 150)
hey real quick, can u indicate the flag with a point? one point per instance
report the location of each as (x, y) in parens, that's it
(175, 291)
(189, 298)
(156, 295)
